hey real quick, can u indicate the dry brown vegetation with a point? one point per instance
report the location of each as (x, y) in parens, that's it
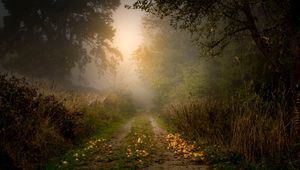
(258, 130)
(38, 124)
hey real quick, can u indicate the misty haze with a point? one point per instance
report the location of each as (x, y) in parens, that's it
(139, 84)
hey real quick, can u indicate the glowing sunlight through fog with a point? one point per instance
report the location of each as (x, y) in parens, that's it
(127, 38)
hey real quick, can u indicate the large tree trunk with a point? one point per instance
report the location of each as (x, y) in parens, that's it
(292, 29)
(294, 50)
(293, 18)
(271, 55)
(295, 80)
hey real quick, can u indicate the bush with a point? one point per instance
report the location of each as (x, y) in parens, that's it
(34, 127)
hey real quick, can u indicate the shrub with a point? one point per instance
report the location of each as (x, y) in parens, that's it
(34, 127)
(38, 123)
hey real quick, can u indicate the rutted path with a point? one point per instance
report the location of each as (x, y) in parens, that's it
(139, 144)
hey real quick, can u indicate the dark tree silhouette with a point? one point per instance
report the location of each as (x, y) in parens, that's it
(274, 26)
(46, 38)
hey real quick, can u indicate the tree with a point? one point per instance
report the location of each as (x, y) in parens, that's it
(46, 38)
(167, 61)
(272, 25)
(177, 69)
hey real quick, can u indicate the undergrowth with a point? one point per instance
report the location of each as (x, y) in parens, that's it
(38, 124)
(249, 132)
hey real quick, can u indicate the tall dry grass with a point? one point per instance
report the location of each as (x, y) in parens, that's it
(260, 137)
(38, 123)
(201, 118)
(246, 124)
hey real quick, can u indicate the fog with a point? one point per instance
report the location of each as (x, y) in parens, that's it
(157, 61)
(128, 37)
(221, 78)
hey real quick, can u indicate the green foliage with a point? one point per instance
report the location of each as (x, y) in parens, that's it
(244, 91)
(177, 69)
(167, 61)
(115, 107)
(272, 26)
(119, 102)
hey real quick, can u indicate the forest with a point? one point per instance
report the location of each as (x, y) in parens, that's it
(200, 84)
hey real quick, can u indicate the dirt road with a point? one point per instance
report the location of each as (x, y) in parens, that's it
(140, 144)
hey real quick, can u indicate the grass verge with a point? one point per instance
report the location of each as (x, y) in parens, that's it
(79, 154)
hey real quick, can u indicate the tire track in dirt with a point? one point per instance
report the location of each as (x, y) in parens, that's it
(167, 159)
(109, 154)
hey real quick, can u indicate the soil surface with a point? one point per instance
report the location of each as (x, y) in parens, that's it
(110, 154)
(172, 161)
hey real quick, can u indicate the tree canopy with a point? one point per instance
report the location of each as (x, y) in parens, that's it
(272, 25)
(46, 38)
(177, 69)
(163, 58)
